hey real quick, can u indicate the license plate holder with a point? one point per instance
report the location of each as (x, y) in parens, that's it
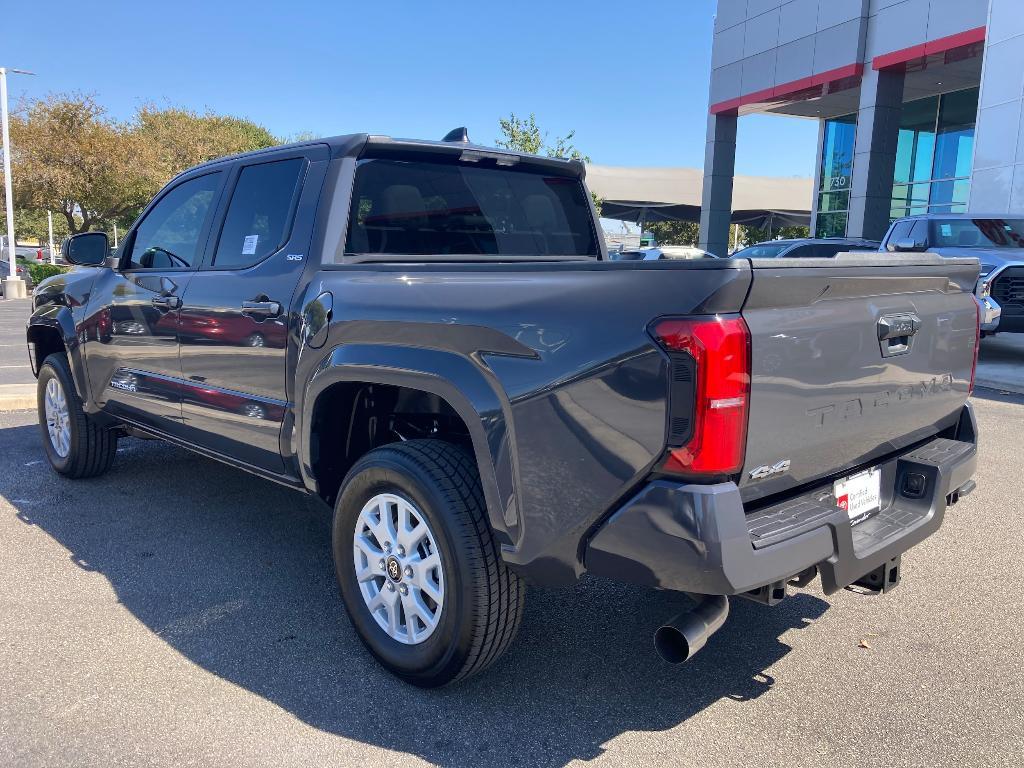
(859, 495)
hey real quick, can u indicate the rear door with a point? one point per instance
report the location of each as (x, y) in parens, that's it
(235, 321)
(853, 358)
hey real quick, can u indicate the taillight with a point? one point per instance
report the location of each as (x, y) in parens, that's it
(720, 348)
(977, 343)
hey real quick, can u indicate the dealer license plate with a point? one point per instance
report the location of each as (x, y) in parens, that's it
(859, 494)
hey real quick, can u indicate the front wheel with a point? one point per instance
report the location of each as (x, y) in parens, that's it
(75, 444)
(418, 566)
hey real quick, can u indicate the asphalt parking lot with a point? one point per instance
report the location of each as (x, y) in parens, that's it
(178, 612)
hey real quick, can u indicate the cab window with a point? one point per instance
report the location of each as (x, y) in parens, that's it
(168, 238)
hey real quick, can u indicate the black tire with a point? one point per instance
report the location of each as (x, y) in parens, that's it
(483, 601)
(91, 448)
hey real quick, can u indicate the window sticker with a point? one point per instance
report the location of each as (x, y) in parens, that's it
(947, 230)
(249, 245)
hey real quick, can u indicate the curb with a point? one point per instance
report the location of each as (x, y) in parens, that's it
(1016, 387)
(17, 397)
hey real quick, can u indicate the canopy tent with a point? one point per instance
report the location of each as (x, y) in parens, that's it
(643, 195)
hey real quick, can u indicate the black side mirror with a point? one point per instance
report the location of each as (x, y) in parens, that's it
(86, 249)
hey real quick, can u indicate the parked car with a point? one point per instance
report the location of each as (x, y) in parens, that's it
(21, 271)
(21, 251)
(805, 248)
(484, 399)
(658, 252)
(997, 241)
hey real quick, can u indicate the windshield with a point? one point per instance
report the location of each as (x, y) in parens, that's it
(438, 208)
(761, 251)
(977, 233)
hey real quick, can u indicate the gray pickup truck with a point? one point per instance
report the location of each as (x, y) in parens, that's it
(996, 240)
(429, 337)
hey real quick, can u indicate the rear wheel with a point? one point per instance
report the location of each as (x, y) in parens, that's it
(75, 444)
(418, 566)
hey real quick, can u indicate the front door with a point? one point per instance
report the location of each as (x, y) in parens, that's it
(235, 324)
(131, 333)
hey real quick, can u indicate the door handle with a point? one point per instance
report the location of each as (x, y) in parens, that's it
(166, 302)
(261, 309)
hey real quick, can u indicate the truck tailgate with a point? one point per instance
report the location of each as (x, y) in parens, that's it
(852, 358)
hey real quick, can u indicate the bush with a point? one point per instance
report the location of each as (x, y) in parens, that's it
(40, 272)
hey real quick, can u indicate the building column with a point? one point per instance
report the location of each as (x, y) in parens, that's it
(874, 156)
(997, 176)
(817, 178)
(719, 169)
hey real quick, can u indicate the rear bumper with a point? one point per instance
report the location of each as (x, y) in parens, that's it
(699, 538)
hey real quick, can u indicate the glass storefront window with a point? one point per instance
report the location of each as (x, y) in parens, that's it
(955, 139)
(933, 155)
(831, 224)
(836, 174)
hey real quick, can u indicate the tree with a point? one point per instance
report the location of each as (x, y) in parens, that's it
(674, 232)
(524, 135)
(752, 235)
(175, 139)
(31, 223)
(70, 157)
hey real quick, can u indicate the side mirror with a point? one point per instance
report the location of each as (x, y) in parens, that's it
(86, 249)
(908, 244)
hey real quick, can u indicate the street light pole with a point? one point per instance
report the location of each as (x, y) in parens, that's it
(49, 223)
(11, 261)
(14, 287)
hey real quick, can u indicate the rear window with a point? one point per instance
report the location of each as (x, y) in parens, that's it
(977, 233)
(417, 208)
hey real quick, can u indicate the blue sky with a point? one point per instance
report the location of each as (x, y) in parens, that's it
(631, 79)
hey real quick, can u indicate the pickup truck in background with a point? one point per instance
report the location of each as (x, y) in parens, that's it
(429, 337)
(997, 241)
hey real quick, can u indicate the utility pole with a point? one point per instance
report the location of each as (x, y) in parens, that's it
(14, 286)
(49, 223)
(115, 235)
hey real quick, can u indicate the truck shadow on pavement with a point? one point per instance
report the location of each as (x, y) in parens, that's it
(235, 573)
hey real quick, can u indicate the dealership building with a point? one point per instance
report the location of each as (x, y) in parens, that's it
(919, 105)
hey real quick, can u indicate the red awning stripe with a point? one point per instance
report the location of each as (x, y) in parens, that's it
(783, 90)
(943, 44)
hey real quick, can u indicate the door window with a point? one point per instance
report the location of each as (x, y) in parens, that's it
(168, 238)
(260, 214)
(900, 231)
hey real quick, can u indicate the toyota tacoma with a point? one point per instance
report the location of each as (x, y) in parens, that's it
(429, 336)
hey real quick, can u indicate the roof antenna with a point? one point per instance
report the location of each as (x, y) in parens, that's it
(457, 134)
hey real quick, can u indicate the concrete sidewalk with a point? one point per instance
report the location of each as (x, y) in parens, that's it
(17, 384)
(1001, 363)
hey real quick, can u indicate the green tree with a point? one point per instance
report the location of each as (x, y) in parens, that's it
(70, 157)
(753, 235)
(524, 135)
(31, 224)
(174, 139)
(674, 232)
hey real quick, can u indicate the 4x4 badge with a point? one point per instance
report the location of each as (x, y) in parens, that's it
(769, 470)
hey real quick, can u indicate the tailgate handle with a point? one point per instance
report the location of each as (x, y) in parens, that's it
(896, 333)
